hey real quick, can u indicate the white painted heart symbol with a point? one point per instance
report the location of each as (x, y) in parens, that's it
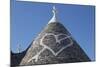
(56, 39)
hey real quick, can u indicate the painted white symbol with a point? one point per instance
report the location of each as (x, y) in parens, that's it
(47, 47)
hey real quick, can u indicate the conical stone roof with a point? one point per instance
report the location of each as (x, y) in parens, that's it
(54, 45)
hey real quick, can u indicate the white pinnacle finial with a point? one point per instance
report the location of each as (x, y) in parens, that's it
(19, 48)
(54, 18)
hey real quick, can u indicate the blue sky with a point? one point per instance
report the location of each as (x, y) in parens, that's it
(29, 18)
